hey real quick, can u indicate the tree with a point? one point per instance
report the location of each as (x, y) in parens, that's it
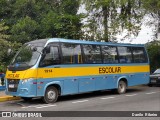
(3, 43)
(62, 21)
(3, 36)
(112, 17)
(154, 54)
(37, 19)
(24, 30)
(152, 8)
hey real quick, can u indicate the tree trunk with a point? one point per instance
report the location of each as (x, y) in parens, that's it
(105, 11)
(158, 31)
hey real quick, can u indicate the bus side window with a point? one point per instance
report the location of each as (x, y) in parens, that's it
(139, 55)
(51, 58)
(92, 54)
(125, 54)
(71, 53)
(109, 54)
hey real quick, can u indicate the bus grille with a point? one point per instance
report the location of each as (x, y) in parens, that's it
(12, 85)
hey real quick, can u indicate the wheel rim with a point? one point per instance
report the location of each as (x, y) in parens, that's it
(51, 95)
(121, 87)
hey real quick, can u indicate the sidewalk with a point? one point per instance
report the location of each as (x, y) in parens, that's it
(4, 97)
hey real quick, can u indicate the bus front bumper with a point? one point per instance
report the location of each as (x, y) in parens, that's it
(21, 88)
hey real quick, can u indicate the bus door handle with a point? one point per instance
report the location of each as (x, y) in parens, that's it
(75, 79)
(131, 75)
(105, 77)
(92, 78)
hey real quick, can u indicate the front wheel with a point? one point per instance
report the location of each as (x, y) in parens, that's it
(51, 95)
(121, 87)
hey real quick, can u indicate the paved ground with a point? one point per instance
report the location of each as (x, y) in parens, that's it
(139, 98)
(4, 97)
(2, 93)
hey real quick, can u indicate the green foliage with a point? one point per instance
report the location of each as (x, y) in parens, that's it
(36, 19)
(28, 20)
(25, 30)
(3, 44)
(112, 17)
(153, 49)
(152, 8)
(3, 36)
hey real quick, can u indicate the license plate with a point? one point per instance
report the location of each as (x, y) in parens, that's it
(153, 81)
(11, 86)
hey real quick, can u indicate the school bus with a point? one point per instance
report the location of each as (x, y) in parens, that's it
(54, 67)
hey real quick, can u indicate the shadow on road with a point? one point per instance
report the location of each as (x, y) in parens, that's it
(106, 93)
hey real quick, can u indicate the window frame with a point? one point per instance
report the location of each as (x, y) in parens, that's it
(116, 52)
(144, 53)
(62, 61)
(53, 44)
(132, 61)
(84, 56)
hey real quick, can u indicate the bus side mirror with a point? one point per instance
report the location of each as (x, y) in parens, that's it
(46, 50)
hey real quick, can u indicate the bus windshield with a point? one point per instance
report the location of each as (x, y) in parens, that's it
(157, 71)
(26, 57)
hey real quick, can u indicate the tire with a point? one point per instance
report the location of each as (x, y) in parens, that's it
(51, 95)
(121, 87)
(26, 98)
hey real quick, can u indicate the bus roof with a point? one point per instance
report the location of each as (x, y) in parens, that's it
(39, 41)
(83, 42)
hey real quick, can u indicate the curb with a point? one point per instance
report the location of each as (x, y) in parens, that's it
(8, 98)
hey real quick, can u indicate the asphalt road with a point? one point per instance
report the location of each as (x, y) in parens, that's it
(138, 98)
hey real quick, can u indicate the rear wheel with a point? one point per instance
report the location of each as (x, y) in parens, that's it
(121, 87)
(51, 95)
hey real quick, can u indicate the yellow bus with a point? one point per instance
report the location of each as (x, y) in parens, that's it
(54, 67)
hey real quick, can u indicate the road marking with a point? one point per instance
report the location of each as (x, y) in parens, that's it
(46, 106)
(20, 104)
(107, 98)
(131, 95)
(151, 93)
(37, 106)
(80, 101)
(31, 106)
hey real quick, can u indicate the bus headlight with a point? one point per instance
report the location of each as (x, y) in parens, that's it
(26, 80)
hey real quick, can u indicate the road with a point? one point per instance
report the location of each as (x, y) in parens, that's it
(138, 98)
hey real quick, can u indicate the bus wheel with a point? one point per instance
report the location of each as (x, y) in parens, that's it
(121, 87)
(51, 95)
(26, 98)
